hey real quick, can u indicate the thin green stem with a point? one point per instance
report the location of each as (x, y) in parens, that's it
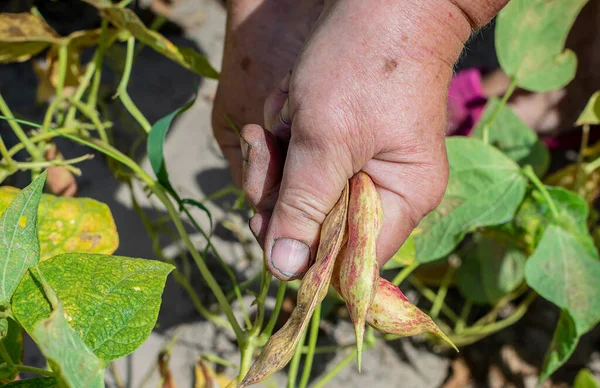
(122, 89)
(338, 368)
(93, 117)
(312, 344)
(430, 295)
(5, 356)
(275, 314)
(63, 58)
(10, 163)
(41, 137)
(464, 316)
(530, 174)
(579, 177)
(440, 297)
(592, 166)
(56, 162)
(247, 351)
(27, 369)
(218, 360)
(260, 301)
(488, 123)
(406, 271)
(35, 153)
(98, 59)
(293, 370)
(85, 81)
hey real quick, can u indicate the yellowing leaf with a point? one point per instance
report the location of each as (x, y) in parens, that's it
(126, 19)
(23, 35)
(70, 224)
(591, 113)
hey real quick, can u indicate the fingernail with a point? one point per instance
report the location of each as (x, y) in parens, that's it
(245, 146)
(290, 257)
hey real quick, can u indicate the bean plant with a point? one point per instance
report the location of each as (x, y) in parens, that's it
(505, 234)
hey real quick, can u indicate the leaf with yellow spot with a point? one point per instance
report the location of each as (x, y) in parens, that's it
(70, 224)
(23, 35)
(126, 19)
(111, 302)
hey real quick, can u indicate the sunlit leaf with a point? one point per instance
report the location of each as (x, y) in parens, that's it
(66, 352)
(70, 224)
(112, 302)
(126, 19)
(530, 41)
(591, 113)
(513, 137)
(485, 188)
(19, 247)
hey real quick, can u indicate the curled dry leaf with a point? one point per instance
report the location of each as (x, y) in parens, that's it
(281, 346)
(358, 266)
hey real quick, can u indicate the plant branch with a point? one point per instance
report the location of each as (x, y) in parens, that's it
(312, 344)
(430, 295)
(293, 369)
(275, 314)
(488, 123)
(338, 368)
(530, 174)
(5, 356)
(35, 153)
(406, 271)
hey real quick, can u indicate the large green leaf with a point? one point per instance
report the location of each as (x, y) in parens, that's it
(564, 342)
(126, 19)
(491, 270)
(19, 247)
(530, 41)
(564, 272)
(534, 216)
(44, 382)
(13, 341)
(485, 188)
(591, 113)
(513, 137)
(70, 224)
(66, 352)
(112, 302)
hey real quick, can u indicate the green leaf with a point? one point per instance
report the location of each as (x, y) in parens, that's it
(112, 302)
(493, 269)
(13, 341)
(585, 379)
(66, 352)
(19, 247)
(44, 382)
(68, 224)
(564, 342)
(126, 19)
(591, 113)
(155, 149)
(513, 137)
(485, 188)
(564, 272)
(534, 216)
(405, 256)
(530, 39)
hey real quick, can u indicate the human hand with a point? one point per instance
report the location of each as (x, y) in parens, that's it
(368, 92)
(263, 39)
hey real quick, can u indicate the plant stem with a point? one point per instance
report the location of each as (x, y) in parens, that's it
(580, 175)
(338, 368)
(312, 344)
(40, 137)
(10, 163)
(247, 351)
(122, 89)
(592, 166)
(98, 59)
(5, 356)
(430, 295)
(218, 360)
(63, 58)
(464, 316)
(37, 371)
(486, 126)
(35, 153)
(440, 297)
(93, 117)
(406, 271)
(275, 314)
(260, 301)
(56, 162)
(530, 174)
(293, 370)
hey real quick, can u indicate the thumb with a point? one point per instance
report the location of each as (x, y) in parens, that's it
(312, 183)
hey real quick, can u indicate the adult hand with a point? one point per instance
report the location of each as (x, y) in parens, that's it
(263, 39)
(368, 92)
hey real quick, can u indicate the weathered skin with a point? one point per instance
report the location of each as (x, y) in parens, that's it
(281, 346)
(358, 266)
